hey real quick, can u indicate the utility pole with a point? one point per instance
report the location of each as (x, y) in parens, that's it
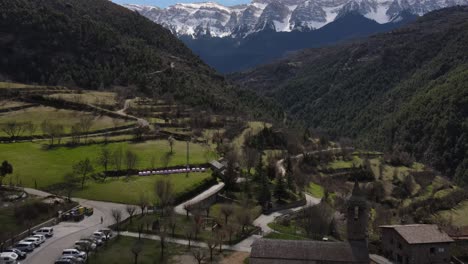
(188, 166)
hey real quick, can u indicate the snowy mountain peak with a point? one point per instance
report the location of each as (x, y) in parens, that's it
(210, 18)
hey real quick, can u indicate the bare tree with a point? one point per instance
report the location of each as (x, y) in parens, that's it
(14, 129)
(162, 239)
(211, 243)
(117, 159)
(136, 250)
(85, 123)
(131, 211)
(83, 168)
(104, 159)
(220, 234)
(250, 157)
(188, 234)
(143, 203)
(131, 160)
(199, 255)
(227, 210)
(244, 218)
(30, 128)
(166, 159)
(117, 215)
(52, 131)
(316, 220)
(171, 142)
(165, 193)
(70, 183)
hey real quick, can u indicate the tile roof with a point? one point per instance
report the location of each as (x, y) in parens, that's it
(421, 234)
(305, 251)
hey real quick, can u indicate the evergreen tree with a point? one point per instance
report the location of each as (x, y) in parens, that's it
(264, 196)
(280, 189)
(290, 182)
(259, 170)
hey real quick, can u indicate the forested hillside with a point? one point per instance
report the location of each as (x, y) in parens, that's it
(406, 89)
(95, 44)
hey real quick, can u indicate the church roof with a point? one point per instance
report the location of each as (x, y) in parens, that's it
(420, 234)
(307, 251)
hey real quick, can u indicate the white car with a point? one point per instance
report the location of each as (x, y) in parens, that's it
(73, 259)
(46, 231)
(41, 238)
(100, 235)
(25, 246)
(83, 244)
(34, 240)
(74, 252)
(8, 258)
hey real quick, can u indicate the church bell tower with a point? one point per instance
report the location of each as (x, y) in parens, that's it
(357, 215)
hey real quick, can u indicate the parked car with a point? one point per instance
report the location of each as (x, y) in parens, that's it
(94, 240)
(106, 232)
(25, 246)
(21, 254)
(75, 260)
(41, 238)
(8, 258)
(100, 235)
(83, 244)
(35, 240)
(46, 231)
(64, 261)
(74, 252)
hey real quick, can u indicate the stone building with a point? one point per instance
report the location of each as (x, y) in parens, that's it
(415, 244)
(355, 250)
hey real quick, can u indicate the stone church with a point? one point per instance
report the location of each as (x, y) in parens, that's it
(355, 250)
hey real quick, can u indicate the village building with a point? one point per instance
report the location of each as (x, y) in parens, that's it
(355, 250)
(415, 244)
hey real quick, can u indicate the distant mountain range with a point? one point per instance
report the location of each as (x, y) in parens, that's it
(404, 90)
(212, 19)
(233, 54)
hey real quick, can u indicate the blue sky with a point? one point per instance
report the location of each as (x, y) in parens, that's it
(165, 3)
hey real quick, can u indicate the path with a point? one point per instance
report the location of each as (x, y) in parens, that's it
(141, 122)
(180, 209)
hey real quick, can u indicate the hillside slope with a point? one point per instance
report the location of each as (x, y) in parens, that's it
(97, 44)
(407, 89)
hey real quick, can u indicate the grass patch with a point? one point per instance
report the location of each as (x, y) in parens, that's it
(119, 251)
(316, 190)
(275, 235)
(88, 97)
(32, 162)
(67, 118)
(123, 190)
(254, 127)
(457, 216)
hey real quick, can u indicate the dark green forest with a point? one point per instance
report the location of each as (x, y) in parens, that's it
(96, 44)
(406, 90)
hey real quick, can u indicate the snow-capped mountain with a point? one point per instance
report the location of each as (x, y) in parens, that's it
(213, 19)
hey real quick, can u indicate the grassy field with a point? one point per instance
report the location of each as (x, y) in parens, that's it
(88, 97)
(291, 232)
(10, 85)
(67, 118)
(123, 190)
(254, 127)
(8, 104)
(316, 190)
(31, 161)
(120, 251)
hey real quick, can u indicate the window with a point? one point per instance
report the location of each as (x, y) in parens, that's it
(441, 250)
(432, 250)
(399, 245)
(356, 212)
(391, 241)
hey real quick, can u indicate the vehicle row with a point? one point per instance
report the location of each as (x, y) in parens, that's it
(20, 250)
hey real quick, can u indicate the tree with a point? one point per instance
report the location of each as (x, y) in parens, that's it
(131, 211)
(83, 168)
(131, 160)
(85, 123)
(70, 183)
(250, 156)
(290, 181)
(280, 189)
(52, 131)
(162, 239)
(136, 249)
(165, 193)
(143, 202)
(5, 169)
(264, 195)
(244, 218)
(166, 159)
(117, 159)
(171, 142)
(117, 216)
(211, 243)
(188, 234)
(30, 128)
(199, 255)
(14, 129)
(316, 220)
(104, 159)
(227, 210)
(231, 174)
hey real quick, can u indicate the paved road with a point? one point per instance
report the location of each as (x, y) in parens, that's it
(66, 233)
